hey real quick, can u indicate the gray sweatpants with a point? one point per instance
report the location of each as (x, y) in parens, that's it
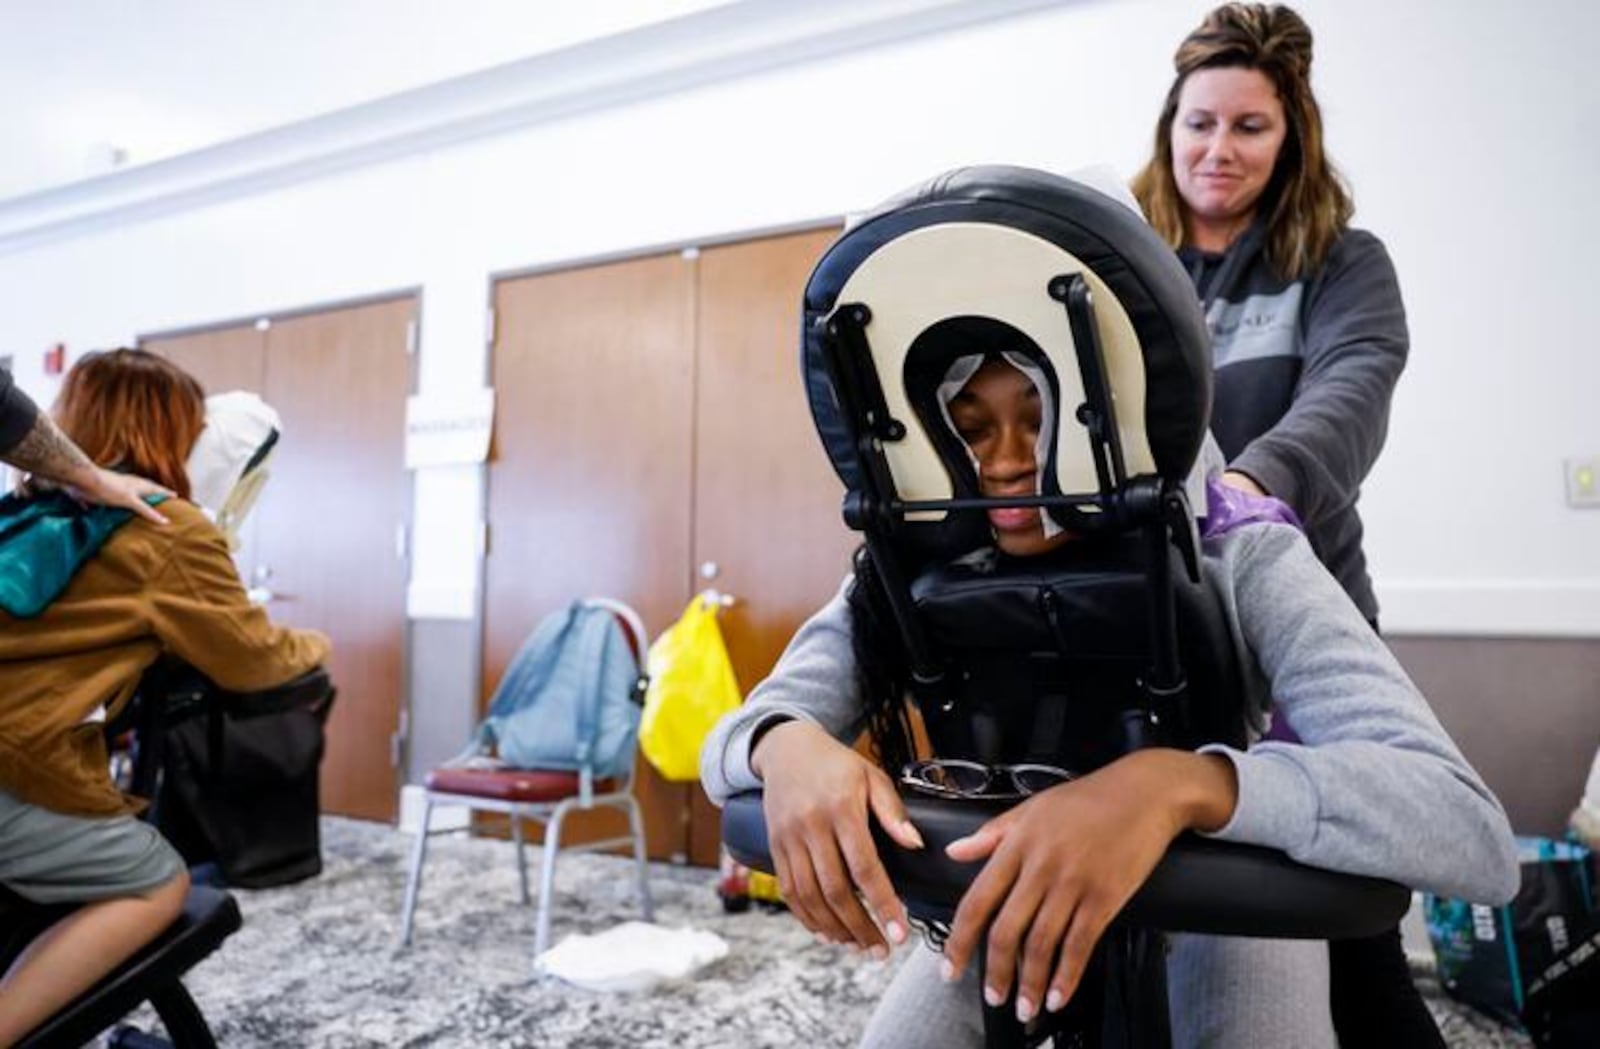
(1224, 993)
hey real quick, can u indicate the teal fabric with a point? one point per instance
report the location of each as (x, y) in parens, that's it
(44, 540)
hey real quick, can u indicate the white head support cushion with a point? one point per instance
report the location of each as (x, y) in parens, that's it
(978, 269)
(988, 259)
(227, 467)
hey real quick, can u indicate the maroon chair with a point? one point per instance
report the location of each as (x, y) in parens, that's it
(545, 796)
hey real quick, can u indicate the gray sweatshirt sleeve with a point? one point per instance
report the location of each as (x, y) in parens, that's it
(1377, 787)
(814, 680)
(1354, 322)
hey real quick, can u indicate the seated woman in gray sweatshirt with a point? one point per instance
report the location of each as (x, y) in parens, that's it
(1376, 787)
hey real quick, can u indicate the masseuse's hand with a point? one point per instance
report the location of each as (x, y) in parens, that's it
(124, 491)
(94, 484)
(818, 793)
(1062, 864)
(1243, 482)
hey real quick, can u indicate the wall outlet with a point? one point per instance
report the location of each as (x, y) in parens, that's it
(1583, 483)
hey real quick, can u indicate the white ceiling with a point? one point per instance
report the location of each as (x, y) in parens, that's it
(91, 85)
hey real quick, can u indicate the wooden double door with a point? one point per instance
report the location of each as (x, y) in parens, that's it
(652, 439)
(327, 538)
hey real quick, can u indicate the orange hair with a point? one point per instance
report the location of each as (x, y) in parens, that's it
(132, 410)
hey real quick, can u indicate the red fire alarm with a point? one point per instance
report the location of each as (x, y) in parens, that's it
(55, 359)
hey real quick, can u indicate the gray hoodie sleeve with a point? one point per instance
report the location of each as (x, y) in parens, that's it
(1355, 344)
(1377, 787)
(814, 681)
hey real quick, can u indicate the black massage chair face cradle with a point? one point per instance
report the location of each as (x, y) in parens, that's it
(1112, 642)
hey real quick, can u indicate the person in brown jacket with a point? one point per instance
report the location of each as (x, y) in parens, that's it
(66, 833)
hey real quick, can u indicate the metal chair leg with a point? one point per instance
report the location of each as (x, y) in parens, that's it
(414, 879)
(547, 878)
(181, 1017)
(641, 863)
(522, 856)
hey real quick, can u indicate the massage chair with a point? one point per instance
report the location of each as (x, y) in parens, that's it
(1118, 640)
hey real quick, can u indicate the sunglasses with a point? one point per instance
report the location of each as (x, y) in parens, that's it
(955, 778)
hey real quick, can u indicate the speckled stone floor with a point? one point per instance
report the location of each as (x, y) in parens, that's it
(318, 964)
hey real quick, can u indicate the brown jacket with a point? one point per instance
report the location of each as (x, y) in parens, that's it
(150, 589)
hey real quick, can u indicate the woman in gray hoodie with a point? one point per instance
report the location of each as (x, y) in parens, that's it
(1308, 340)
(1376, 787)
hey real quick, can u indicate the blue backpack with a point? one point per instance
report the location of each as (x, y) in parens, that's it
(570, 698)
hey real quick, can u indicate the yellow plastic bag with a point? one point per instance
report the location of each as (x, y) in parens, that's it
(691, 686)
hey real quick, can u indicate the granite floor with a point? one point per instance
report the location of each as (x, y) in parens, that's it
(318, 964)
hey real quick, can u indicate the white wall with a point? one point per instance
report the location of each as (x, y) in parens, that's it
(157, 78)
(1467, 129)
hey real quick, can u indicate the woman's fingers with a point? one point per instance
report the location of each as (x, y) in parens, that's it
(789, 885)
(1006, 936)
(1039, 954)
(890, 810)
(866, 871)
(1088, 922)
(982, 899)
(982, 842)
(798, 881)
(861, 853)
(125, 491)
(820, 885)
(838, 892)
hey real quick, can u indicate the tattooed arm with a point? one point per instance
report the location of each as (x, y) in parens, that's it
(44, 451)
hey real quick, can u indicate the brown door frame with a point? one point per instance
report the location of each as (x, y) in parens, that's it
(413, 291)
(662, 248)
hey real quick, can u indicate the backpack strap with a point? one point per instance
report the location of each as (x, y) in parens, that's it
(595, 633)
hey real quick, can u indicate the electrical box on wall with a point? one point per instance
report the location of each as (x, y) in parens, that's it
(1583, 483)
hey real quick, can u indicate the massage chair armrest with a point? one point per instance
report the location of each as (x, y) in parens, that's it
(312, 690)
(187, 693)
(1200, 886)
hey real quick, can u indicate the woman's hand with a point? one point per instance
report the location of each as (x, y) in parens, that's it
(818, 794)
(123, 491)
(1243, 482)
(1062, 864)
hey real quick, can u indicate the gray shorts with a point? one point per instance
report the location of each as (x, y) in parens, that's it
(47, 857)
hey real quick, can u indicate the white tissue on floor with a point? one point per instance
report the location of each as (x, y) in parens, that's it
(631, 956)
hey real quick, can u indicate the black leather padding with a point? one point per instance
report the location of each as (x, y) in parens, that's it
(1200, 886)
(152, 974)
(1113, 242)
(242, 776)
(1046, 652)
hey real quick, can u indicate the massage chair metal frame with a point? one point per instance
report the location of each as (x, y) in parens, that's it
(1096, 277)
